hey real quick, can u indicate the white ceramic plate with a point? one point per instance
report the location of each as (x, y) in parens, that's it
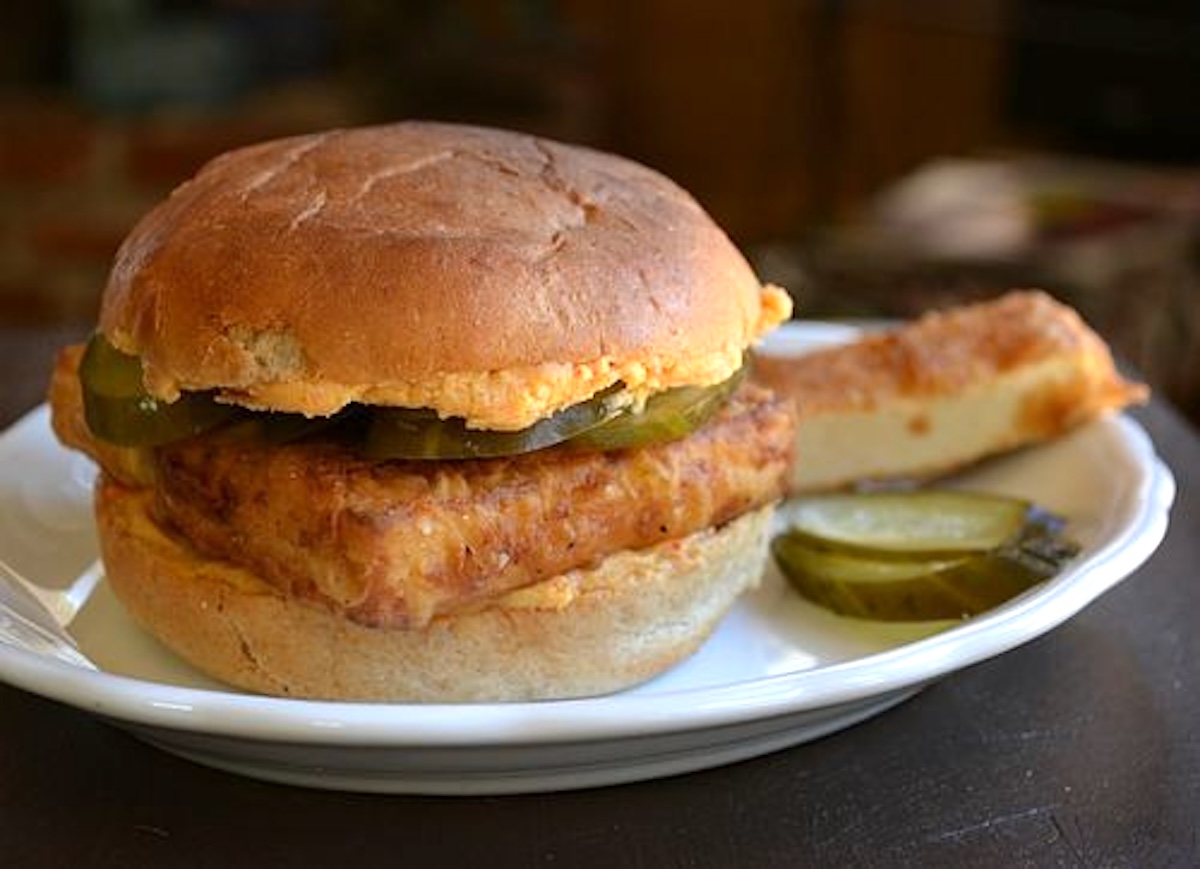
(778, 672)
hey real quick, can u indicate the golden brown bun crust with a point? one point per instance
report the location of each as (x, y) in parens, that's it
(392, 264)
(581, 633)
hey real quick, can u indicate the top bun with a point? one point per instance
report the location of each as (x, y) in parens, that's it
(489, 275)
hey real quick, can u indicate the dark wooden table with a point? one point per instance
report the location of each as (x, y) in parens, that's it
(1079, 749)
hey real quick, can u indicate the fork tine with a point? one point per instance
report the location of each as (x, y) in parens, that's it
(27, 624)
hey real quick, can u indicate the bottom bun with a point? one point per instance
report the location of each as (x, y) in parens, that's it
(582, 633)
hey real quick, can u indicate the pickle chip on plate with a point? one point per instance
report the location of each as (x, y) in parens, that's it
(919, 555)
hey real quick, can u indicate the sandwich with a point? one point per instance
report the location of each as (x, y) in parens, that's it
(428, 413)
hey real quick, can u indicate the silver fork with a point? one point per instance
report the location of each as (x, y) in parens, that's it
(35, 619)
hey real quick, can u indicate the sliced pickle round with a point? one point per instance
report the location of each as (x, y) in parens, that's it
(602, 422)
(403, 433)
(921, 523)
(911, 590)
(119, 410)
(666, 416)
(928, 578)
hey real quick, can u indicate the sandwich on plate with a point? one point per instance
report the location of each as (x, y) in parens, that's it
(428, 412)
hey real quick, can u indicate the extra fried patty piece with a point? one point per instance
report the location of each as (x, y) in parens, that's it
(392, 544)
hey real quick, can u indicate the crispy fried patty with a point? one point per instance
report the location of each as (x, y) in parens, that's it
(394, 543)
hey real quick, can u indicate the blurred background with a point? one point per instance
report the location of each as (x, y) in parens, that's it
(877, 157)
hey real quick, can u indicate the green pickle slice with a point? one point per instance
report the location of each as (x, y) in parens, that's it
(919, 523)
(402, 433)
(666, 416)
(600, 423)
(119, 410)
(946, 575)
